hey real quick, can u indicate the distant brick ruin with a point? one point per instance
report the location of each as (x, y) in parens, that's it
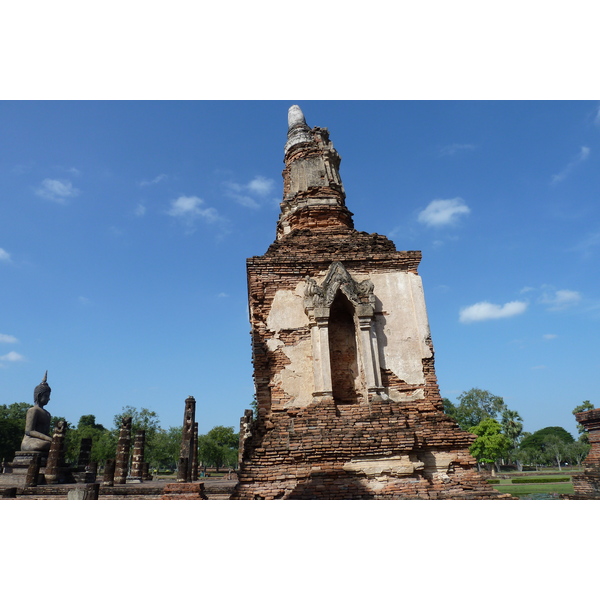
(347, 397)
(586, 485)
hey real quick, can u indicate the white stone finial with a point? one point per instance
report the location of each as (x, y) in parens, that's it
(295, 116)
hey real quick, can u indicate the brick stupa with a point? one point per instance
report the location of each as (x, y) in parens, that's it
(347, 397)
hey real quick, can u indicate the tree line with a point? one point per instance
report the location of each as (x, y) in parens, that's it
(218, 448)
(500, 436)
(501, 439)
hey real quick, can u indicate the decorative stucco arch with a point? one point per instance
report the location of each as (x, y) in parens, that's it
(318, 300)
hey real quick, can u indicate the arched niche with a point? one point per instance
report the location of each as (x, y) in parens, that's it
(344, 342)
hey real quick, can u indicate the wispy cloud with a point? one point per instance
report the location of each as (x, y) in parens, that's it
(452, 149)
(549, 336)
(588, 244)
(8, 339)
(485, 311)
(597, 117)
(4, 256)
(189, 209)
(140, 210)
(57, 190)
(252, 193)
(440, 213)
(154, 181)
(560, 299)
(12, 357)
(22, 169)
(582, 156)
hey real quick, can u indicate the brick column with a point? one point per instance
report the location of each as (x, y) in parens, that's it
(56, 454)
(195, 454)
(108, 480)
(123, 447)
(138, 455)
(33, 471)
(587, 484)
(187, 440)
(85, 454)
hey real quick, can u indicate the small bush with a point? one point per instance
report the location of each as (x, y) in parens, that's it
(493, 481)
(541, 480)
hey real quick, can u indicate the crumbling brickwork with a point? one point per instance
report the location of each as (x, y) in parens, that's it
(586, 485)
(347, 398)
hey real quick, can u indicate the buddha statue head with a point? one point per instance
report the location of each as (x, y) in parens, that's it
(41, 393)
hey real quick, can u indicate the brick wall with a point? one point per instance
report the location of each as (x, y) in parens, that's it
(376, 449)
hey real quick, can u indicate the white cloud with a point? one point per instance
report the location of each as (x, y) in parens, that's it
(245, 194)
(4, 256)
(84, 300)
(583, 155)
(140, 210)
(154, 181)
(597, 118)
(8, 339)
(549, 336)
(261, 185)
(560, 299)
(452, 149)
(246, 201)
(439, 213)
(191, 208)
(57, 190)
(484, 311)
(12, 357)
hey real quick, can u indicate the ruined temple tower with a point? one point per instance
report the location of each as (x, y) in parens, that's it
(347, 397)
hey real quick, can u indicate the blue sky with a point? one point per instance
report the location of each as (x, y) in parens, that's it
(124, 229)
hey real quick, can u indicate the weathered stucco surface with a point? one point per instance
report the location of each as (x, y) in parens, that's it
(389, 465)
(287, 310)
(287, 314)
(401, 325)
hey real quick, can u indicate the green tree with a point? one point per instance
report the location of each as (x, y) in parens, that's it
(449, 408)
(556, 449)
(490, 444)
(144, 419)
(538, 439)
(12, 427)
(475, 406)
(530, 456)
(89, 421)
(104, 441)
(512, 426)
(577, 451)
(167, 446)
(219, 447)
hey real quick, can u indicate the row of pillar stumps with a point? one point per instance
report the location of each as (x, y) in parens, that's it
(116, 471)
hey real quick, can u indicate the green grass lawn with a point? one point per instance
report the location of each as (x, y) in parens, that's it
(532, 488)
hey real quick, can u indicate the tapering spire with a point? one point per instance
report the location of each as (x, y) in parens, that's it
(313, 194)
(298, 130)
